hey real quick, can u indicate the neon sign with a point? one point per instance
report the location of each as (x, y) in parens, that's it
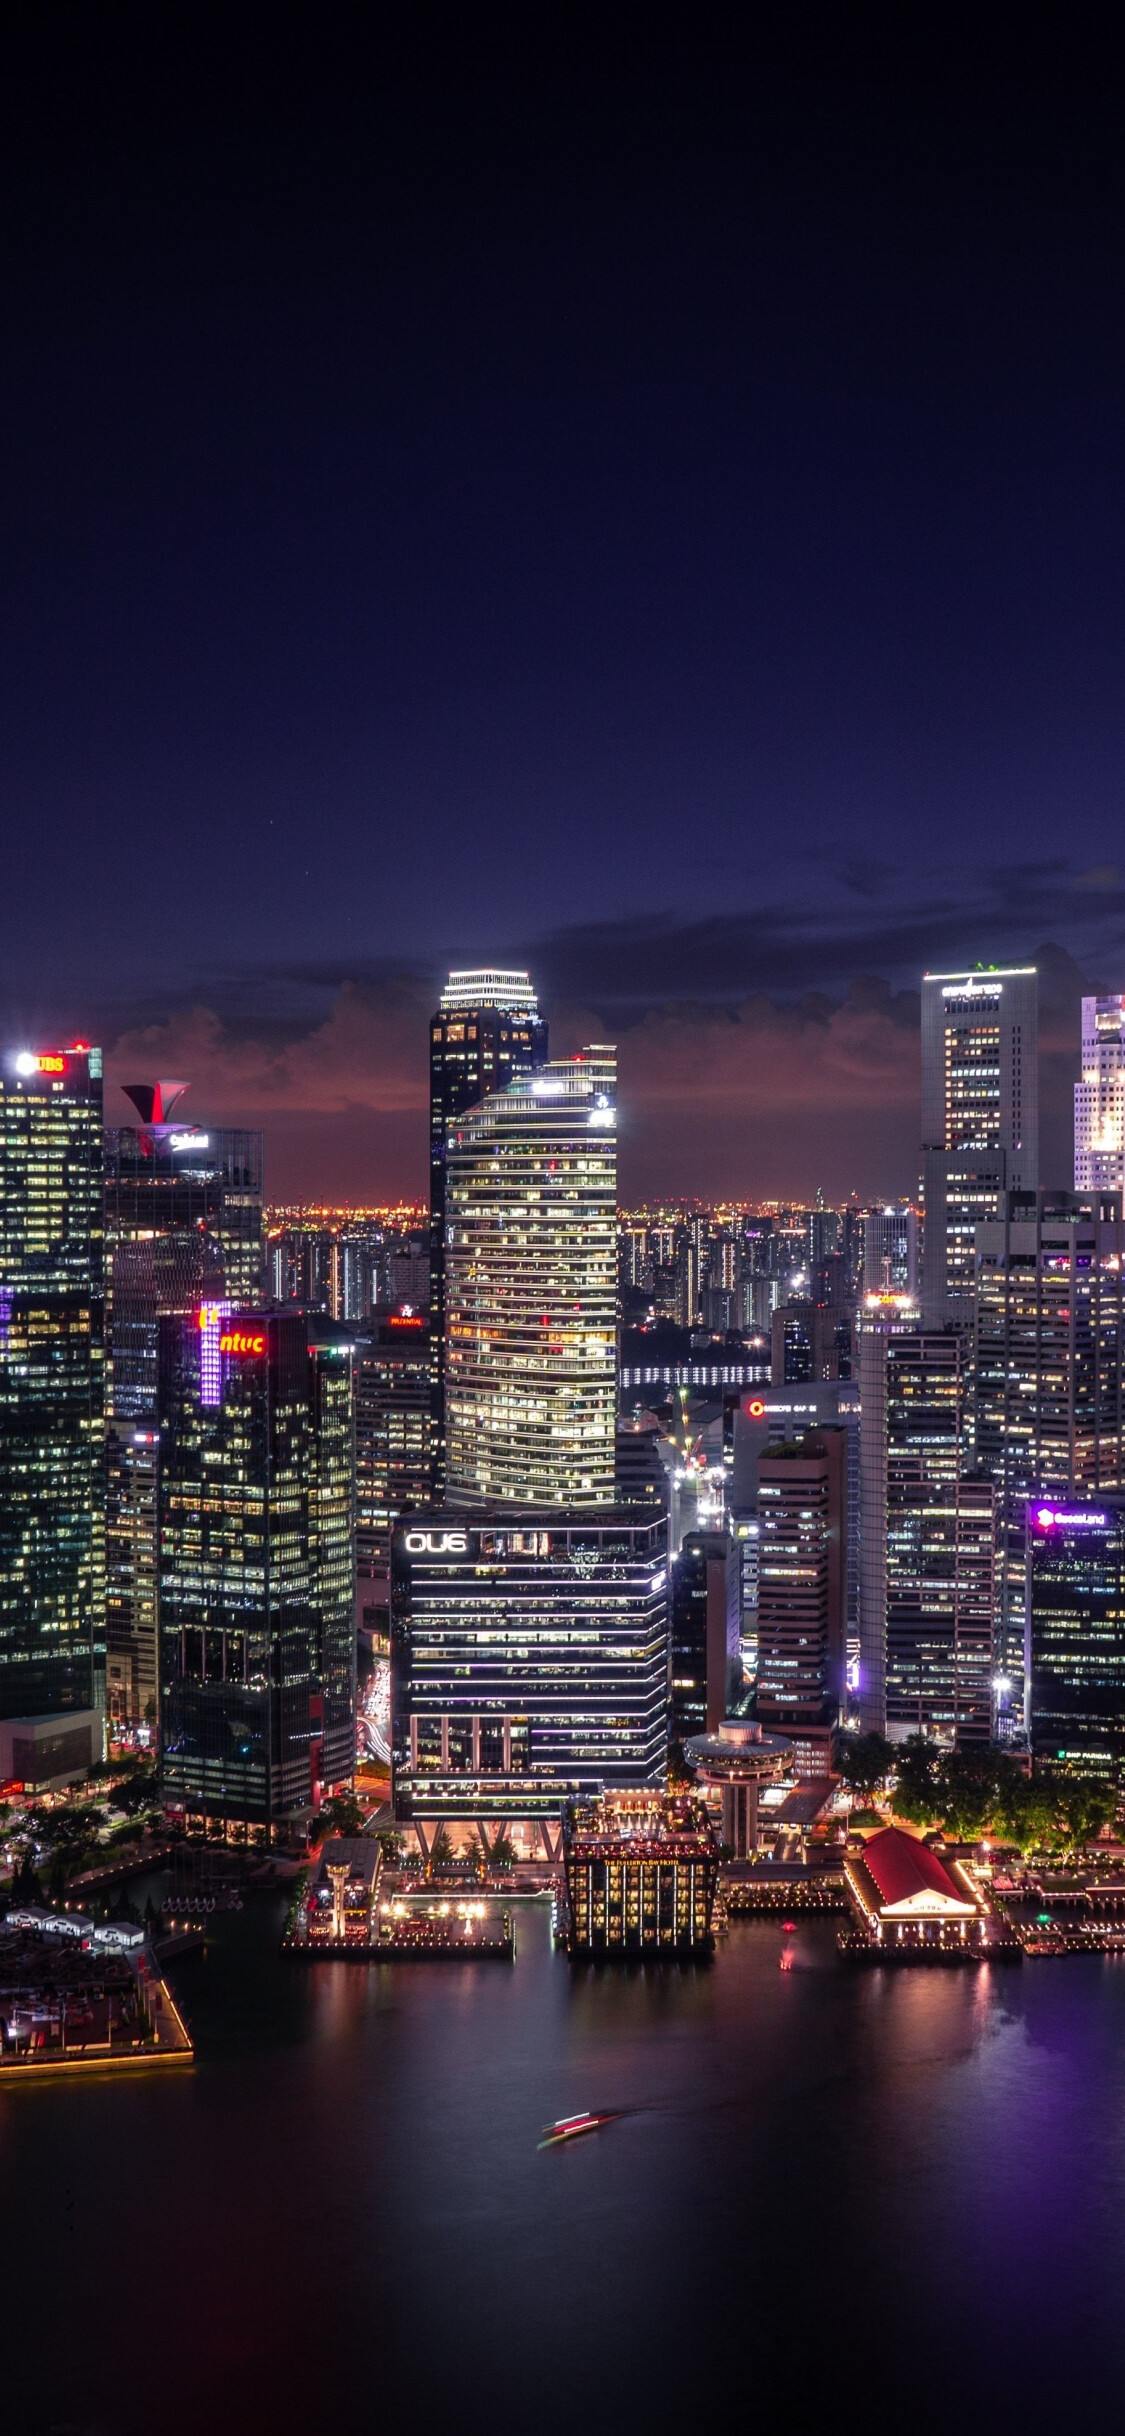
(404, 1320)
(1047, 1518)
(436, 1543)
(756, 1408)
(236, 1340)
(47, 1062)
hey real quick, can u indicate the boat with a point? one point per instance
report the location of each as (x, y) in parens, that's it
(572, 2127)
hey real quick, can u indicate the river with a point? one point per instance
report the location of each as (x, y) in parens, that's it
(836, 2192)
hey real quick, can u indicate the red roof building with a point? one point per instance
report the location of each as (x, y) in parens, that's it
(899, 1878)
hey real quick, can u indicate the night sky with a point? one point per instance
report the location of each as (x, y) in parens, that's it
(640, 494)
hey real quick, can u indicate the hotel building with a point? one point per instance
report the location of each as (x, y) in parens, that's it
(256, 1564)
(530, 1665)
(802, 1592)
(52, 1400)
(531, 1290)
(980, 1119)
(641, 1871)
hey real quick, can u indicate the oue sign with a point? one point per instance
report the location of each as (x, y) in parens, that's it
(437, 1543)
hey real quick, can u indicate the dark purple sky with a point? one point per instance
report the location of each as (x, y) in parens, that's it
(640, 492)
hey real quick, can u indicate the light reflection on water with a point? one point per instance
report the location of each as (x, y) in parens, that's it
(913, 2179)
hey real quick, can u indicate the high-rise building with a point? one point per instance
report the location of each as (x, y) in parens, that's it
(530, 1290)
(486, 1032)
(183, 1225)
(773, 1416)
(884, 1317)
(980, 1119)
(52, 1396)
(256, 1563)
(530, 1665)
(706, 1632)
(1076, 1631)
(939, 1544)
(1049, 1389)
(890, 1251)
(1099, 1099)
(810, 1342)
(394, 1431)
(802, 1589)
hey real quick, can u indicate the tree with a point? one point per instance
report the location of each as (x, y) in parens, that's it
(916, 1795)
(341, 1815)
(441, 1850)
(966, 1787)
(1084, 1805)
(864, 1761)
(503, 1850)
(393, 1845)
(680, 1776)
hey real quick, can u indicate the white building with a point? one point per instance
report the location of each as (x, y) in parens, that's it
(531, 1290)
(1099, 1099)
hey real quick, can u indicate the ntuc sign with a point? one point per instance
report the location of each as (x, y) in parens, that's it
(436, 1543)
(242, 1341)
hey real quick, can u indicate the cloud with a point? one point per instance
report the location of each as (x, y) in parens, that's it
(723, 1092)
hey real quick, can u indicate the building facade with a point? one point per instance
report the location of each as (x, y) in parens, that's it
(940, 1588)
(256, 1567)
(183, 1224)
(531, 1290)
(641, 1873)
(980, 1119)
(1050, 1312)
(1099, 1099)
(890, 1251)
(706, 1632)
(486, 1033)
(52, 1392)
(394, 1431)
(1076, 1632)
(802, 1582)
(530, 1665)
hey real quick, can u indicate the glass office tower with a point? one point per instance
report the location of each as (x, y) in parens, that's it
(487, 1031)
(530, 1664)
(394, 1432)
(183, 1219)
(52, 1496)
(256, 1563)
(980, 1119)
(1076, 1632)
(531, 1290)
(1050, 1318)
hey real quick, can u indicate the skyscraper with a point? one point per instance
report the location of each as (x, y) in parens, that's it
(52, 1498)
(939, 1544)
(394, 1433)
(980, 1119)
(1076, 1631)
(183, 1220)
(890, 1251)
(531, 1290)
(256, 1563)
(487, 1031)
(802, 1591)
(1099, 1099)
(1049, 1387)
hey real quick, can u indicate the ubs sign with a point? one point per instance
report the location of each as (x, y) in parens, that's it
(436, 1543)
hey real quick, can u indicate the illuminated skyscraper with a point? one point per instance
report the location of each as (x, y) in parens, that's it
(1099, 1099)
(802, 1591)
(939, 1543)
(486, 1032)
(52, 1496)
(890, 1251)
(531, 1290)
(980, 1119)
(183, 1216)
(1076, 1632)
(1050, 1394)
(394, 1432)
(256, 1563)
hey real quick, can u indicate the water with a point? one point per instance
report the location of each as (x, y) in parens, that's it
(838, 2191)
